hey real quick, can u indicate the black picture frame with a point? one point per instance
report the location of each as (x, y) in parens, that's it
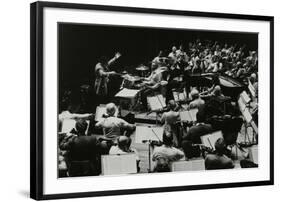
(36, 99)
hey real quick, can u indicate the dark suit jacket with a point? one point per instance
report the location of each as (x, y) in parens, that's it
(81, 148)
(195, 132)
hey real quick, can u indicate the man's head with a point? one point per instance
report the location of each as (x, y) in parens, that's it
(194, 94)
(110, 109)
(124, 143)
(103, 59)
(154, 66)
(253, 78)
(81, 126)
(160, 54)
(172, 105)
(217, 90)
(162, 165)
(220, 145)
(181, 47)
(174, 49)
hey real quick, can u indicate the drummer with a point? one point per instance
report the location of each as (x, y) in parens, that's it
(152, 83)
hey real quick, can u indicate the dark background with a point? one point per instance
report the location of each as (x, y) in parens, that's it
(81, 46)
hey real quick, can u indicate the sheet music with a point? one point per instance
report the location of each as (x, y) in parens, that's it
(185, 116)
(100, 111)
(247, 115)
(241, 104)
(193, 113)
(119, 164)
(252, 89)
(68, 125)
(182, 96)
(161, 100)
(189, 115)
(176, 96)
(156, 103)
(127, 93)
(255, 127)
(210, 139)
(148, 133)
(245, 97)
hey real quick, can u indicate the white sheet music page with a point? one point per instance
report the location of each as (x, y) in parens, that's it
(144, 133)
(185, 116)
(210, 139)
(127, 93)
(193, 113)
(245, 97)
(68, 125)
(154, 103)
(100, 111)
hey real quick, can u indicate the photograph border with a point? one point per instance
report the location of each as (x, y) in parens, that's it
(36, 98)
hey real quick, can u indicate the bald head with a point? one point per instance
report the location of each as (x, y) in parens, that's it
(110, 109)
(194, 94)
(124, 143)
(217, 91)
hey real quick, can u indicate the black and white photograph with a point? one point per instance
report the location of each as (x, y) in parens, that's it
(144, 100)
(130, 100)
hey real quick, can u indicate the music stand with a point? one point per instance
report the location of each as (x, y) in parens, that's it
(156, 104)
(148, 134)
(243, 103)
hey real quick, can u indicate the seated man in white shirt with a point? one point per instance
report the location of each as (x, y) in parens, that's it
(124, 147)
(170, 120)
(166, 154)
(112, 127)
(151, 84)
(196, 102)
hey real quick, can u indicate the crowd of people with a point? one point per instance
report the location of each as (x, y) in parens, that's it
(80, 151)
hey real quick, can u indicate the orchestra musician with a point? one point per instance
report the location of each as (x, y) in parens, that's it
(112, 127)
(151, 83)
(170, 120)
(102, 73)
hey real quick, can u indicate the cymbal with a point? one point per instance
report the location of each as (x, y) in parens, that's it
(142, 68)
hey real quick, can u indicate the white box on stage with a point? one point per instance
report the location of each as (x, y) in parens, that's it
(144, 133)
(253, 154)
(118, 164)
(209, 140)
(192, 165)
